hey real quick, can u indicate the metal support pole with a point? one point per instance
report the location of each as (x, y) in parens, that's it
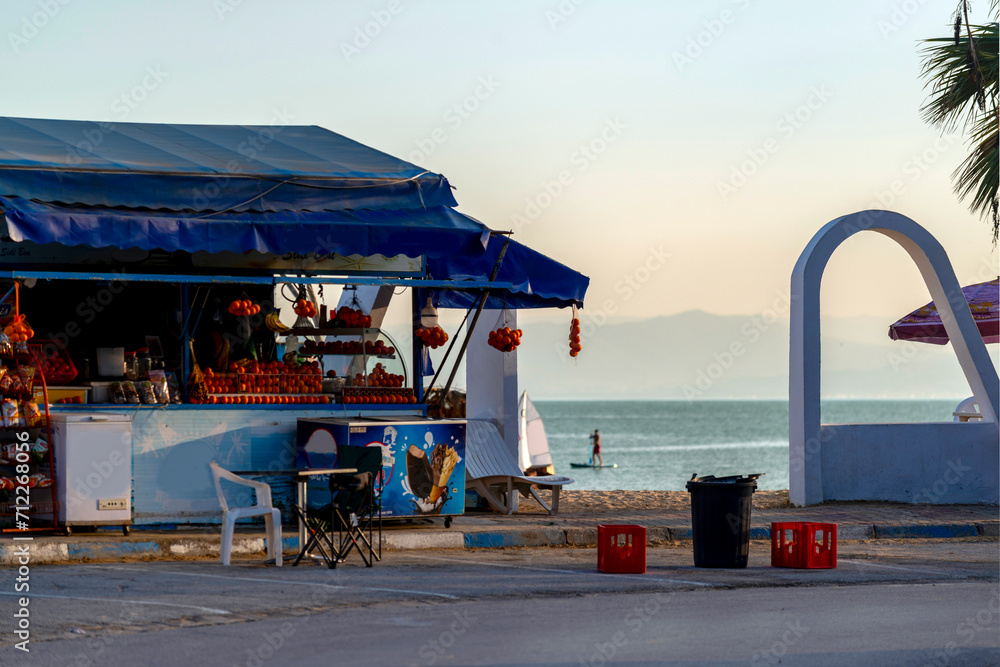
(418, 376)
(185, 346)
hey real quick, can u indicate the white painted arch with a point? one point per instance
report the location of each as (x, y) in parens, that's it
(867, 463)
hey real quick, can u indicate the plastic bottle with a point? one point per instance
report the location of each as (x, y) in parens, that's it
(142, 363)
(131, 367)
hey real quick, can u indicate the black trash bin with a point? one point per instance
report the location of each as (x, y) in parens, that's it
(720, 519)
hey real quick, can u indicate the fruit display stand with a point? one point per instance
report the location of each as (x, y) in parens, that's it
(299, 380)
(377, 387)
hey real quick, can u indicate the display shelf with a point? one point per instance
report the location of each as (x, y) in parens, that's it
(36, 507)
(326, 331)
(270, 399)
(43, 510)
(346, 354)
(368, 343)
(361, 395)
(305, 407)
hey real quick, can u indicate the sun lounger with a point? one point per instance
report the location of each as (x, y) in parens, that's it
(492, 472)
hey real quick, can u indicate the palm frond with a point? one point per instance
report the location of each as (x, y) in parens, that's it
(955, 93)
(962, 74)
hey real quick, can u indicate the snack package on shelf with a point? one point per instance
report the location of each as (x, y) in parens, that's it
(6, 484)
(32, 414)
(11, 414)
(27, 376)
(116, 392)
(158, 379)
(173, 387)
(40, 480)
(40, 448)
(146, 392)
(9, 452)
(131, 393)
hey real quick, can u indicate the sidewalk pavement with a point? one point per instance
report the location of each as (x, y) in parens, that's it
(529, 528)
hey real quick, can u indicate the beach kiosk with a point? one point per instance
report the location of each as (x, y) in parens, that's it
(217, 284)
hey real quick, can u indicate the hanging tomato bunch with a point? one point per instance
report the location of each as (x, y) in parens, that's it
(19, 331)
(505, 339)
(305, 308)
(353, 317)
(574, 338)
(433, 338)
(243, 307)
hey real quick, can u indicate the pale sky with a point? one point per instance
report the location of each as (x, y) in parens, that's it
(673, 99)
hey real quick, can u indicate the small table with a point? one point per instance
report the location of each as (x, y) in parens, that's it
(301, 476)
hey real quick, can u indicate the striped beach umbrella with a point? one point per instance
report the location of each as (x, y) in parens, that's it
(924, 325)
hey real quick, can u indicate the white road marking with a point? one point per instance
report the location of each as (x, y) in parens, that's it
(560, 571)
(144, 602)
(290, 583)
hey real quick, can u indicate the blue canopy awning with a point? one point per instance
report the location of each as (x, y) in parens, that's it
(206, 168)
(431, 231)
(456, 247)
(539, 281)
(270, 189)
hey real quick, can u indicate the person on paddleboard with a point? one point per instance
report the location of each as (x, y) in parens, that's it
(595, 456)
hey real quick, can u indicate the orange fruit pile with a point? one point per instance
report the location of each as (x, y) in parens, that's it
(505, 339)
(432, 338)
(352, 317)
(19, 331)
(378, 378)
(378, 396)
(243, 307)
(268, 377)
(574, 338)
(305, 308)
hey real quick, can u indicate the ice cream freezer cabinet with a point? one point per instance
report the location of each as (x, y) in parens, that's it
(93, 456)
(423, 461)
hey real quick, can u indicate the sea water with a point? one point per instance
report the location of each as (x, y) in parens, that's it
(658, 445)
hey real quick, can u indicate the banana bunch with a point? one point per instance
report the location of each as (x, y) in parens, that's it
(273, 322)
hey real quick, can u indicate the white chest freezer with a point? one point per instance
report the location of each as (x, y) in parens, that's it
(93, 457)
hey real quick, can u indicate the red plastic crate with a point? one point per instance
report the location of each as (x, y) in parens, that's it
(621, 549)
(804, 545)
(55, 362)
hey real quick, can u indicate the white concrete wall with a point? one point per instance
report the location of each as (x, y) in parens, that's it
(491, 381)
(888, 461)
(915, 463)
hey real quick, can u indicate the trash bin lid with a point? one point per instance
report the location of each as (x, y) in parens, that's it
(732, 479)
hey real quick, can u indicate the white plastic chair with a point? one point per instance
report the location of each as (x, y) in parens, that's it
(230, 515)
(967, 411)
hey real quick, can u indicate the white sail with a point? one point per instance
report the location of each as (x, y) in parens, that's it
(523, 455)
(533, 444)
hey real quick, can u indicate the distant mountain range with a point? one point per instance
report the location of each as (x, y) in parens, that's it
(698, 355)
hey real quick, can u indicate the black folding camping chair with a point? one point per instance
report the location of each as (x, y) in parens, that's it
(353, 518)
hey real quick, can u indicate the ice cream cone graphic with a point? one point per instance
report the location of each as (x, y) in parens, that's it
(435, 493)
(429, 479)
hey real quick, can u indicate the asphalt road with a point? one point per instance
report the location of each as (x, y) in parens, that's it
(907, 603)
